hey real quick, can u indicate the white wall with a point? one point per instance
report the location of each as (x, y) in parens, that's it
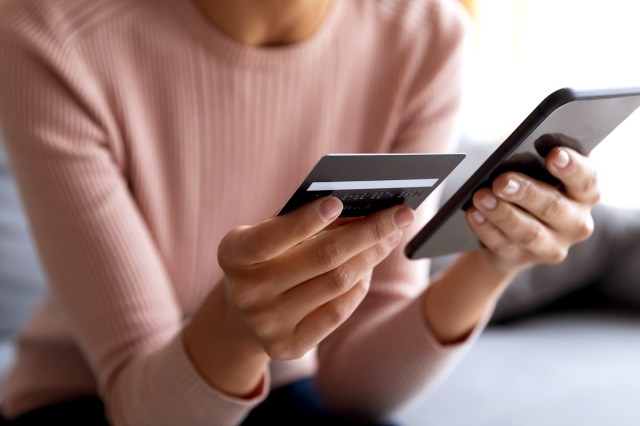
(525, 49)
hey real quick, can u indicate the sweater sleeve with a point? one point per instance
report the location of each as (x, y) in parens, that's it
(385, 355)
(105, 272)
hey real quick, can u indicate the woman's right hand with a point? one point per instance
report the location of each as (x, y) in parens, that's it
(293, 281)
(289, 282)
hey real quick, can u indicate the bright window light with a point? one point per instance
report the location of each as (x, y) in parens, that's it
(525, 49)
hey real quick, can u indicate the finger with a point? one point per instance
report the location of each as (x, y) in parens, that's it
(491, 237)
(547, 203)
(330, 249)
(579, 177)
(320, 323)
(341, 222)
(520, 228)
(309, 296)
(267, 240)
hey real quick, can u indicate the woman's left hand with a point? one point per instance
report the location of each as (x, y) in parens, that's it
(522, 221)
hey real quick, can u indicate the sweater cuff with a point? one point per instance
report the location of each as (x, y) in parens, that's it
(431, 356)
(423, 362)
(187, 398)
(398, 363)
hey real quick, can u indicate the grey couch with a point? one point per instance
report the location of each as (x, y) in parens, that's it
(563, 347)
(562, 368)
(22, 282)
(577, 365)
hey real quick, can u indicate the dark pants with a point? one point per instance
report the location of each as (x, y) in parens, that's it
(297, 403)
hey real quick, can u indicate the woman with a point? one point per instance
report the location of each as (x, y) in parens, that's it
(145, 136)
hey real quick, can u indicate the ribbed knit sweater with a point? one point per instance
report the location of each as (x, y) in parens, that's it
(140, 134)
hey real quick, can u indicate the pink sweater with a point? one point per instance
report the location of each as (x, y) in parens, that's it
(140, 135)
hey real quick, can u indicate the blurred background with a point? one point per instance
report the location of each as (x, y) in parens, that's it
(522, 50)
(576, 360)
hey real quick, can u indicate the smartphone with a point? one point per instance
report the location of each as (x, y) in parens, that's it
(567, 117)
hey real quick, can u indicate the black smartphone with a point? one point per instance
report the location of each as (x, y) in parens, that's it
(568, 117)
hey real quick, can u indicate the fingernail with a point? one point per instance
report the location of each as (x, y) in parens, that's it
(478, 217)
(403, 218)
(330, 209)
(489, 202)
(511, 188)
(562, 159)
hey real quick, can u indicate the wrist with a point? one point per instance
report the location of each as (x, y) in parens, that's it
(223, 349)
(460, 297)
(492, 272)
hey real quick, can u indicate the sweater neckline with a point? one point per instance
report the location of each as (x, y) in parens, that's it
(236, 53)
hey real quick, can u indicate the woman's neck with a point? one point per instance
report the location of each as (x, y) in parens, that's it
(266, 22)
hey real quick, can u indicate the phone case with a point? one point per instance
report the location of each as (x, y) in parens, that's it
(569, 117)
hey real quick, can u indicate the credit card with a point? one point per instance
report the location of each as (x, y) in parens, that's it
(367, 183)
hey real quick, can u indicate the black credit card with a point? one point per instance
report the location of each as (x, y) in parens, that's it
(367, 183)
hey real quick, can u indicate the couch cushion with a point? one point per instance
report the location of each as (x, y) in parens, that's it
(22, 282)
(571, 368)
(7, 354)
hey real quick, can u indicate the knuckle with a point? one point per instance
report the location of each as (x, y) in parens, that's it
(585, 229)
(504, 218)
(328, 255)
(378, 230)
(531, 236)
(377, 254)
(556, 256)
(361, 289)
(340, 280)
(552, 207)
(308, 226)
(370, 256)
(243, 298)
(265, 325)
(296, 350)
(225, 245)
(278, 349)
(337, 313)
(507, 251)
(592, 181)
(363, 286)
(285, 348)
(374, 255)
(257, 246)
